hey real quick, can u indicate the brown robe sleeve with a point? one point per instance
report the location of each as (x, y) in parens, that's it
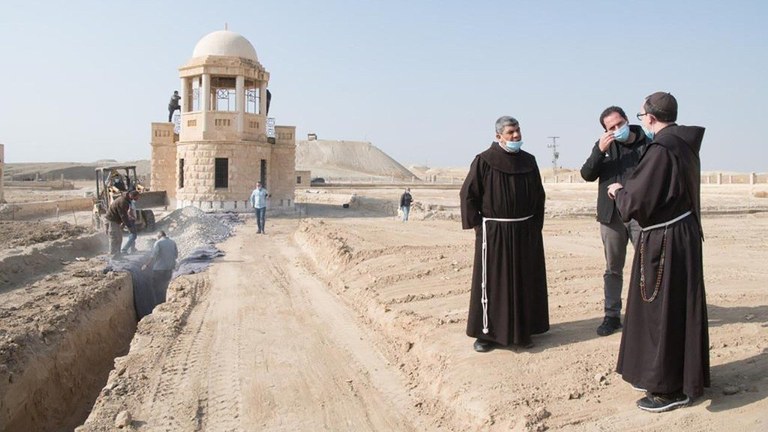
(650, 194)
(471, 196)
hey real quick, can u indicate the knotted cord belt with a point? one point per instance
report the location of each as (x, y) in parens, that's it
(660, 272)
(484, 298)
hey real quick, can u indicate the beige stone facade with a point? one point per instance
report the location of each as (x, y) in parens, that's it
(163, 159)
(303, 178)
(225, 144)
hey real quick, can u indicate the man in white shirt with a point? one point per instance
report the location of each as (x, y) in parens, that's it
(259, 202)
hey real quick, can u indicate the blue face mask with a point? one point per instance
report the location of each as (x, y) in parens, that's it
(514, 146)
(622, 134)
(649, 133)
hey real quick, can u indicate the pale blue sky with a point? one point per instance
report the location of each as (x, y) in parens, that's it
(422, 80)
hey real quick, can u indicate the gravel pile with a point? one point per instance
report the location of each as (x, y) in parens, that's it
(192, 228)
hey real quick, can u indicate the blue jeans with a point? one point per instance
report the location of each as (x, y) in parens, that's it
(261, 216)
(406, 210)
(131, 244)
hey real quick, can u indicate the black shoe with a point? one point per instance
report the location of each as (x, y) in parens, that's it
(660, 402)
(640, 389)
(483, 346)
(609, 325)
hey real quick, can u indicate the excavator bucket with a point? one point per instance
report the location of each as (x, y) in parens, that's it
(151, 199)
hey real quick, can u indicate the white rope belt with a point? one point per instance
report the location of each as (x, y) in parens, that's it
(668, 223)
(484, 299)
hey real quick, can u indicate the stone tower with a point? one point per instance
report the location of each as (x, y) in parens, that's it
(224, 145)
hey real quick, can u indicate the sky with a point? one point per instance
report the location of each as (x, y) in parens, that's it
(423, 80)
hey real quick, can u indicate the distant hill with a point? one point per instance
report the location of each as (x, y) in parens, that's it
(70, 170)
(324, 158)
(348, 160)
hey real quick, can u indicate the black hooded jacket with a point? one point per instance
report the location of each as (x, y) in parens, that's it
(613, 166)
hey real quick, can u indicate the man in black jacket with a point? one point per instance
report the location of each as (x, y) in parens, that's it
(614, 157)
(405, 203)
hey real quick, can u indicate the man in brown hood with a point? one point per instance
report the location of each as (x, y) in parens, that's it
(502, 198)
(665, 343)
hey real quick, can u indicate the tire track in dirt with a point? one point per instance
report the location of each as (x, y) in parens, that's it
(268, 348)
(175, 395)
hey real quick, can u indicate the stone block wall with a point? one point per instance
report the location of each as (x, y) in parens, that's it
(303, 178)
(244, 158)
(284, 167)
(164, 162)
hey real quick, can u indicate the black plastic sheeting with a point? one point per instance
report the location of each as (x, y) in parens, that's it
(197, 260)
(144, 296)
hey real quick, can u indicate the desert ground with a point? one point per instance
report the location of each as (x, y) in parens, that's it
(347, 319)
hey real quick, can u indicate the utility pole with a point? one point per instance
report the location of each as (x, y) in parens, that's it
(555, 153)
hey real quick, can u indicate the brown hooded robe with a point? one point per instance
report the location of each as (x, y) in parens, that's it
(665, 342)
(507, 185)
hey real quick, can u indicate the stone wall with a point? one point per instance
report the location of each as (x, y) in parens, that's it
(163, 163)
(303, 178)
(244, 159)
(46, 209)
(284, 167)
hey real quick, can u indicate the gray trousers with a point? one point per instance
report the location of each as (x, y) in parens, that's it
(615, 236)
(115, 237)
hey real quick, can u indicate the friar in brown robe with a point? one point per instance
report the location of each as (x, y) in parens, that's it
(665, 342)
(502, 198)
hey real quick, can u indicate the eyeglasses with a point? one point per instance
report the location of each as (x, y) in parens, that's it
(640, 115)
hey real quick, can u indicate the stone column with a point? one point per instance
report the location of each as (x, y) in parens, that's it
(185, 104)
(163, 162)
(205, 100)
(240, 102)
(263, 98)
(752, 178)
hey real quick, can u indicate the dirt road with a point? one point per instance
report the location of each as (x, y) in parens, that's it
(271, 349)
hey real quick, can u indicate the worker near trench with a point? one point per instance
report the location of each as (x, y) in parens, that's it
(163, 262)
(118, 216)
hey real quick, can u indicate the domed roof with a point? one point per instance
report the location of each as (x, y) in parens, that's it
(224, 43)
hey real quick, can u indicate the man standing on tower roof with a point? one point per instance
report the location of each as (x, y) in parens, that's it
(173, 105)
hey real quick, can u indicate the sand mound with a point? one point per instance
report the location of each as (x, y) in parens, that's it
(70, 170)
(347, 159)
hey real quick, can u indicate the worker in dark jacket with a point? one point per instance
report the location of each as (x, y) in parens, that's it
(173, 105)
(117, 217)
(614, 157)
(405, 203)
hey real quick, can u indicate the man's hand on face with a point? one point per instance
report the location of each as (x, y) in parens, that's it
(605, 141)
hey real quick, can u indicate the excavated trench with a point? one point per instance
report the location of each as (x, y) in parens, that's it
(65, 318)
(63, 321)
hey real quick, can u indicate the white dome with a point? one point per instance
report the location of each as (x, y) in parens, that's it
(224, 43)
